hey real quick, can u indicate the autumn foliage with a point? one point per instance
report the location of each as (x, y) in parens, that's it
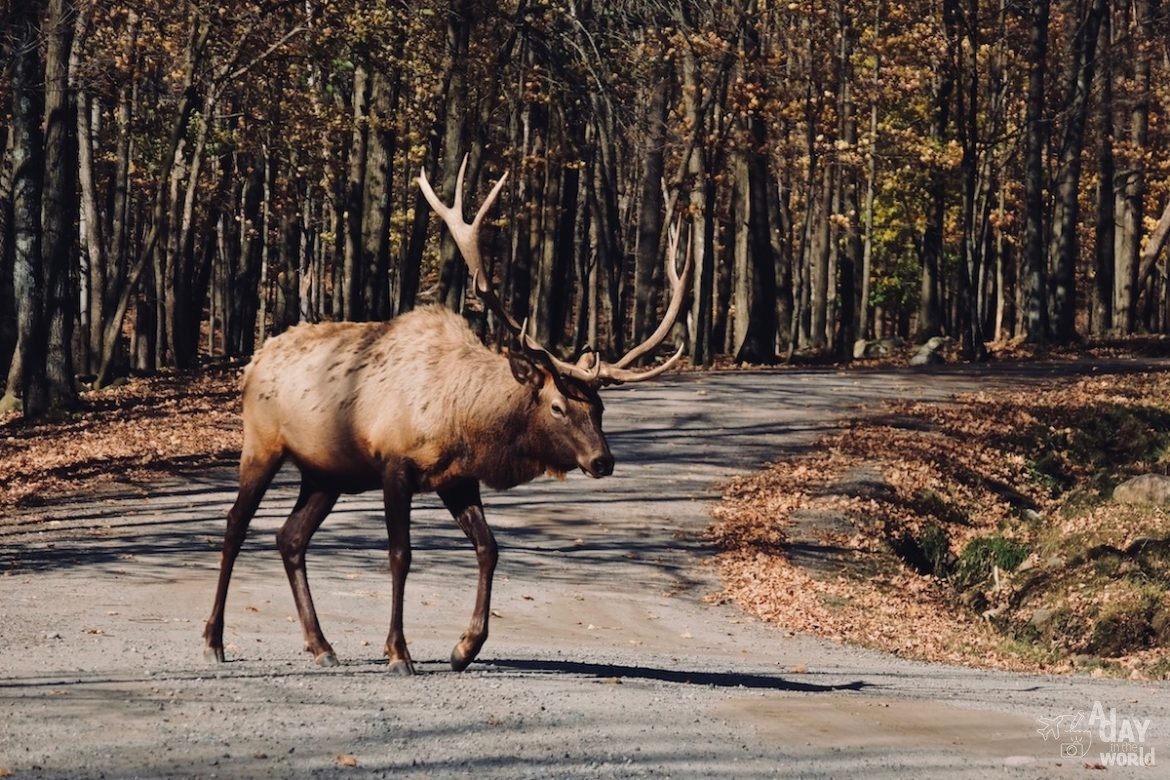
(980, 532)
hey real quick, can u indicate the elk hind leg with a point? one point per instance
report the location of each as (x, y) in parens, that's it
(256, 473)
(464, 504)
(292, 539)
(397, 496)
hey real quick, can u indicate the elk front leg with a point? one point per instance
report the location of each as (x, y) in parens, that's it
(397, 497)
(293, 540)
(256, 473)
(465, 506)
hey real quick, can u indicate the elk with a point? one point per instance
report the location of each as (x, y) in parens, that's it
(412, 405)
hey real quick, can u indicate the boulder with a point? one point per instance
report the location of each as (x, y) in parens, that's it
(930, 353)
(1144, 489)
(876, 349)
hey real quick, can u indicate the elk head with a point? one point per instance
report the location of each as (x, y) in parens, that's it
(568, 414)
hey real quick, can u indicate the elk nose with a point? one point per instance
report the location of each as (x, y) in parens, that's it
(602, 465)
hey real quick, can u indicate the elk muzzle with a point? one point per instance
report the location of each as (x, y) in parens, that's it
(599, 464)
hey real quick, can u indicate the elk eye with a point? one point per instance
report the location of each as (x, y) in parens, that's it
(558, 409)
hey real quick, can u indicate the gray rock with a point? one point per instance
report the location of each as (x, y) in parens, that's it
(930, 353)
(1144, 489)
(878, 348)
(925, 358)
(1041, 617)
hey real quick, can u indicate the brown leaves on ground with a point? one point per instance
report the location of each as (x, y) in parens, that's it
(1023, 472)
(136, 432)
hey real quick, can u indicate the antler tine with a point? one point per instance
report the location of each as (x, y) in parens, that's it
(678, 285)
(553, 363)
(489, 201)
(616, 376)
(466, 235)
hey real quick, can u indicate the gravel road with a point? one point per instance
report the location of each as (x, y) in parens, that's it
(605, 658)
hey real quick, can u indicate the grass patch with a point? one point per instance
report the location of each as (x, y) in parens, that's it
(985, 553)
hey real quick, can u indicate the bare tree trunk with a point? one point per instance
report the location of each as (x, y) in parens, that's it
(818, 247)
(1130, 190)
(930, 314)
(849, 257)
(759, 343)
(864, 325)
(1035, 261)
(7, 298)
(647, 260)
(741, 249)
(355, 195)
(452, 276)
(1158, 240)
(28, 371)
(59, 206)
(376, 222)
(1102, 321)
(1078, 81)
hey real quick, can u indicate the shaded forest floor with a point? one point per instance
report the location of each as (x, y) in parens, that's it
(127, 435)
(976, 532)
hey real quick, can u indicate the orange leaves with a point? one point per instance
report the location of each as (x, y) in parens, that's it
(135, 432)
(969, 467)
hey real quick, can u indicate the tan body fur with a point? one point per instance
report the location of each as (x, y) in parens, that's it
(339, 399)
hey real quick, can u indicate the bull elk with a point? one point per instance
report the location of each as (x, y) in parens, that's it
(412, 405)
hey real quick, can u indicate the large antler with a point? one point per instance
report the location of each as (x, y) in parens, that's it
(617, 373)
(590, 369)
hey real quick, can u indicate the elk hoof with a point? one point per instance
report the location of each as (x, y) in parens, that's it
(401, 668)
(326, 659)
(461, 659)
(213, 654)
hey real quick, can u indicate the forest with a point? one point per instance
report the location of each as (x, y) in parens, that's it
(181, 180)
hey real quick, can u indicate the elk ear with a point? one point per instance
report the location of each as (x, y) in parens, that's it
(524, 369)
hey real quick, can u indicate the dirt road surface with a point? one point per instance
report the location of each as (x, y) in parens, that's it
(604, 659)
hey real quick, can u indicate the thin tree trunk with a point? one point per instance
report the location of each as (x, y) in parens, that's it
(1130, 193)
(1035, 261)
(1078, 79)
(28, 371)
(1103, 281)
(376, 221)
(648, 257)
(355, 195)
(930, 306)
(452, 275)
(7, 298)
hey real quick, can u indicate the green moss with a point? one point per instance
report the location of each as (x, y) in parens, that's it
(936, 549)
(982, 554)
